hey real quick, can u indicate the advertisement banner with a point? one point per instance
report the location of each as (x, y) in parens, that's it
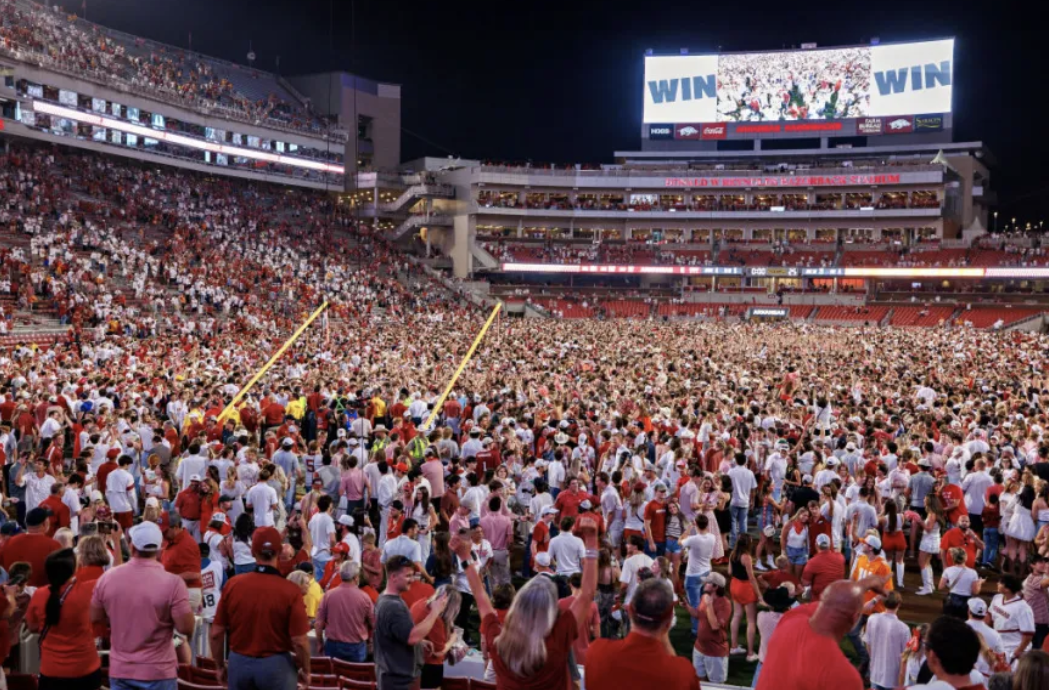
(928, 123)
(904, 124)
(715, 131)
(782, 181)
(688, 132)
(661, 131)
(869, 125)
(911, 78)
(681, 88)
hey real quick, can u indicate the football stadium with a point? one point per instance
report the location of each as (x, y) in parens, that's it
(753, 403)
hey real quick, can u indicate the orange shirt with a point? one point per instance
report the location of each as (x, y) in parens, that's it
(865, 565)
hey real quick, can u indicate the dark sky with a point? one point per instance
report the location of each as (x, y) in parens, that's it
(561, 81)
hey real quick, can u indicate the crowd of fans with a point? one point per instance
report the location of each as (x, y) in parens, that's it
(69, 43)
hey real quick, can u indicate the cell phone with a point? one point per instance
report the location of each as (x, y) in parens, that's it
(105, 527)
(16, 581)
(88, 529)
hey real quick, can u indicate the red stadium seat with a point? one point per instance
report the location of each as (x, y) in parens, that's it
(350, 684)
(320, 680)
(208, 663)
(321, 664)
(360, 672)
(21, 681)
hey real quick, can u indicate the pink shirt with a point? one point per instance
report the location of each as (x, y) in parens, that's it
(433, 471)
(352, 484)
(498, 530)
(348, 614)
(141, 600)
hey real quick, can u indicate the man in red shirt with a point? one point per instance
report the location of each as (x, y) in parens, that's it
(568, 501)
(33, 547)
(824, 568)
(60, 516)
(953, 499)
(804, 651)
(642, 659)
(656, 521)
(265, 618)
(181, 556)
(273, 414)
(105, 468)
(961, 537)
(189, 504)
(541, 532)
(710, 654)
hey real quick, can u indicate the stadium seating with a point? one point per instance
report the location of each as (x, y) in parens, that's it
(624, 309)
(872, 315)
(920, 316)
(988, 316)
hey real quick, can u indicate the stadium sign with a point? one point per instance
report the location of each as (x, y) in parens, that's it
(661, 131)
(768, 312)
(687, 132)
(902, 124)
(928, 123)
(869, 125)
(715, 131)
(781, 271)
(782, 181)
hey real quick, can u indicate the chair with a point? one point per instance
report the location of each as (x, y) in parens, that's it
(321, 680)
(186, 685)
(204, 676)
(321, 664)
(208, 663)
(481, 685)
(350, 684)
(347, 669)
(21, 681)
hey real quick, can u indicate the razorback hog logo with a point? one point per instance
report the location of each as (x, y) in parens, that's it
(901, 123)
(688, 131)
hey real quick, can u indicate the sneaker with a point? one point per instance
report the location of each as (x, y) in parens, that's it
(760, 567)
(736, 651)
(923, 592)
(752, 658)
(771, 562)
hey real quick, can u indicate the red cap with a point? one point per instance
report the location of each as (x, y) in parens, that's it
(266, 539)
(104, 513)
(342, 547)
(165, 521)
(113, 453)
(640, 486)
(401, 467)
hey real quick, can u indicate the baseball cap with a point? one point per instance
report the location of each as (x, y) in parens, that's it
(265, 539)
(977, 607)
(872, 541)
(194, 477)
(346, 520)
(342, 547)
(543, 559)
(823, 541)
(152, 502)
(287, 443)
(146, 536)
(37, 517)
(807, 479)
(113, 453)
(219, 518)
(716, 579)
(550, 510)
(586, 505)
(97, 496)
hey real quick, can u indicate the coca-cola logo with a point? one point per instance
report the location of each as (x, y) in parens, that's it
(714, 131)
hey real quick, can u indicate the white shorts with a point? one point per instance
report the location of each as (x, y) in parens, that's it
(712, 668)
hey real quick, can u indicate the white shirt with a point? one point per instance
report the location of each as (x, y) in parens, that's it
(50, 427)
(887, 637)
(387, 490)
(120, 490)
(72, 501)
(555, 474)
(975, 487)
(567, 550)
(743, 482)
(960, 579)
(700, 548)
(991, 638)
(211, 579)
(37, 489)
(351, 540)
(190, 465)
(1011, 619)
(213, 539)
(628, 575)
(405, 546)
(321, 527)
(263, 499)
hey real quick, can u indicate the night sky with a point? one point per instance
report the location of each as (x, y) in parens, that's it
(561, 81)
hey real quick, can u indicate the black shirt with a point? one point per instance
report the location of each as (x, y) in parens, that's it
(803, 495)
(396, 661)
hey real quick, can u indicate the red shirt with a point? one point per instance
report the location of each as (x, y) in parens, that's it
(5, 629)
(261, 612)
(60, 515)
(953, 494)
(103, 473)
(418, 591)
(554, 673)
(286, 566)
(778, 577)
(591, 621)
(68, 649)
(438, 635)
(637, 662)
(541, 537)
(956, 539)
(182, 555)
(34, 550)
(656, 513)
(273, 414)
(188, 504)
(823, 569)
(711, 641)
(805, 660)
(568, 503)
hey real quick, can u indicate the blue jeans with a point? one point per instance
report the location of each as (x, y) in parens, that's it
(660, 549)
(275, 672)
(128, 684)
(739, 523)
(289, 495)
(990, 545)
(757, 672)
(693, 589)
(354, 652)
(318, 565)
(855, 637)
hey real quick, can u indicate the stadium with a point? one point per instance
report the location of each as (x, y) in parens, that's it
(764, 388)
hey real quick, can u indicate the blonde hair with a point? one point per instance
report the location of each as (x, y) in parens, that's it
(299, 577)
(92, 551)
(522, 643)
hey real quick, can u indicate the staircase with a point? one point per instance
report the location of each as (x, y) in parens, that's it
(484, 258)
(417, 192)
(419, 221)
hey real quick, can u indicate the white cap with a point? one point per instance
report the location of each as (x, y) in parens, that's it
(194, 477)
(977, 607)
(346, 520)
(340, 433)
(543, 558)
(871, 541)
(823, 540)
(218, 517)
(152, 502)
(146, 536)
(550, 510)
(97, 496)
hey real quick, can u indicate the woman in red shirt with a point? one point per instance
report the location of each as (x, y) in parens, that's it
(530, 649)
(59, 613)
(441, 638)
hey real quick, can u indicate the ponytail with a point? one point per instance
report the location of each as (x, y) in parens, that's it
(59, 567)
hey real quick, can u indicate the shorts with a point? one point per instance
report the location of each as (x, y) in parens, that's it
(712, 668)
(797, 555)
(743, 592)
(893, 541)
(672, 546)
